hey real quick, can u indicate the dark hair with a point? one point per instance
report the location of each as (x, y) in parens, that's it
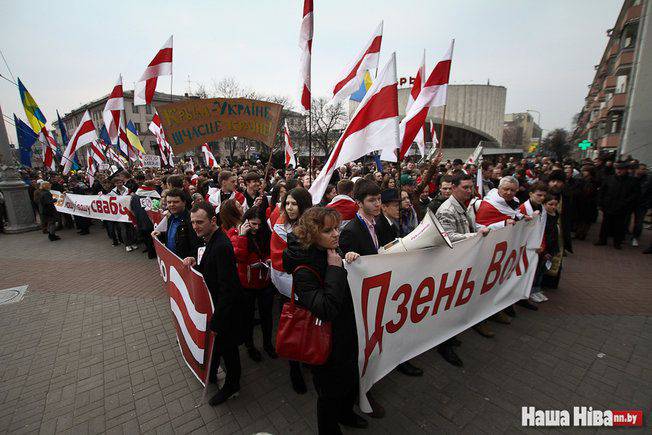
(292, 184)
(301, 196)
(175, 181)
(557, 175)
(259, 242)
(230, 215)
(252, 176)
(446, 179)
(329, 188)
(312, 222)
(139, 176)
(345, 187)
(457, 179)
(485, 165)
(177, 193)
(364, 188)
(224, 175)
(275, 195)
(550, 196)
(539, 186)
(207, 207)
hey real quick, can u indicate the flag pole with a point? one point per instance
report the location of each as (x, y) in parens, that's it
(310, 142)
(443, 123)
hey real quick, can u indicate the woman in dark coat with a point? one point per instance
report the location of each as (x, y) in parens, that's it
(321, 286)
(49, 212)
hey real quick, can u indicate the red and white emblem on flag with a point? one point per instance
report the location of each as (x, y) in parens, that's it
(209, 158)
(192, 309)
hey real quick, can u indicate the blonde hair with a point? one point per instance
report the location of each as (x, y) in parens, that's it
(312, 222)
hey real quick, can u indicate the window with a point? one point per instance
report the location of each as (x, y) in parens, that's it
(135, 109)
(148, 109)
(616, 119)
(153, 145)
(621, 84)
(628, 38)
(608, 96)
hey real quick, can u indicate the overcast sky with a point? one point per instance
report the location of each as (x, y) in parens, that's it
(68, 53)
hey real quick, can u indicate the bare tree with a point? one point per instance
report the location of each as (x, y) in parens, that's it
(327, 119)
(557, 142)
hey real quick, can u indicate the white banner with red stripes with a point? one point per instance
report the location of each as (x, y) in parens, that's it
(104, 207)
(192, 309)
(407, 303)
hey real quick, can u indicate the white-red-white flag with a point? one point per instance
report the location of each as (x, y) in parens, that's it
(432, 94)
(414, 93)
(374, 126)
(49, 149)
(161, 65)
(433, 134)
(351, 77)
(96, 152)
(305, 44)
(91, 168)
(290, 159)
(209, 158)
(163, 146)
(112, 113)
(84, 134)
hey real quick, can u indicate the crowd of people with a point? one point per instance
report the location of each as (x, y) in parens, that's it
(255, 235)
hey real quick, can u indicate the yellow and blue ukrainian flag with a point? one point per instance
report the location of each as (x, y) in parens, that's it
(34, 115)
(364, 87)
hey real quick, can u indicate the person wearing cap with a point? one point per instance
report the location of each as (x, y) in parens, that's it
(616, 199)
(390, 214)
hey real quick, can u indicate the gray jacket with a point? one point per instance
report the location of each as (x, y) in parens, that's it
(456, 220)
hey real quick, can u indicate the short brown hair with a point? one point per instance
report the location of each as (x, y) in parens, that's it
(224, 175)
(312, 222)
(208, 208)
(345, 187)
(539, 186)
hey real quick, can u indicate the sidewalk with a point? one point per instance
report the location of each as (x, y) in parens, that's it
(91, 348)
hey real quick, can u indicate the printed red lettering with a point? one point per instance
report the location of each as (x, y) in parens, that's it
(509, 266)
(494, 267)
(415, 315)
(113, 207)
(466, 285)
(376, 337)
(445, 291)
(105, 207)
(406, 291)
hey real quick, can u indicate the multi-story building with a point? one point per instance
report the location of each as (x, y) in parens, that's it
(617, 114)
(141, 116)
(520, 131)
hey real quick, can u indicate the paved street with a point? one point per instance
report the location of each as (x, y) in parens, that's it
(91, 348)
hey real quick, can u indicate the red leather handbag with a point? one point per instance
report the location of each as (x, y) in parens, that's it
(301, 336)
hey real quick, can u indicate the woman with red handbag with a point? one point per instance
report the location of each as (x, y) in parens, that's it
(321, 286)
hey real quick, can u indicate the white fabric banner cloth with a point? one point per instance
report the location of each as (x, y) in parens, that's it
(104, 207)
(407, 303)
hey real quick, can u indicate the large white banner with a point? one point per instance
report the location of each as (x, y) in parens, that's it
(407, 303)
(104, 207)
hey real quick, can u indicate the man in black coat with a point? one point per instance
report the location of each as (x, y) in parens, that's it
(616, 199)
(361, 236)
(216, 262)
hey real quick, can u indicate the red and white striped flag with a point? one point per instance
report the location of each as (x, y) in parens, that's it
(49, 149)
(163, 146)
(374, 126)
(96, 152)
(433, 135)
(161, 65)
(84, 134)
(432, 94)
(414, 93)
(209, 158)
(305, 43)
(290, 159)
(112, 113)
(90, 167)
(353, 75)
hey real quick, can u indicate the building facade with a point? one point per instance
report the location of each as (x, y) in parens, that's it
(141, 116)
(520, 131)
(617, 113)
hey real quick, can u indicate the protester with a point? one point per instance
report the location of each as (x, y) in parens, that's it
(178, 236)
(343, 202)
(125, 230)
(140, 201)
(251, 247)
(534, 205)
(321, 286)
(217, 264)
(48, 210)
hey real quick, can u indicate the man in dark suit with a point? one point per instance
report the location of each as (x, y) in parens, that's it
(216, 262)
(386, 223)
(361, 236)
